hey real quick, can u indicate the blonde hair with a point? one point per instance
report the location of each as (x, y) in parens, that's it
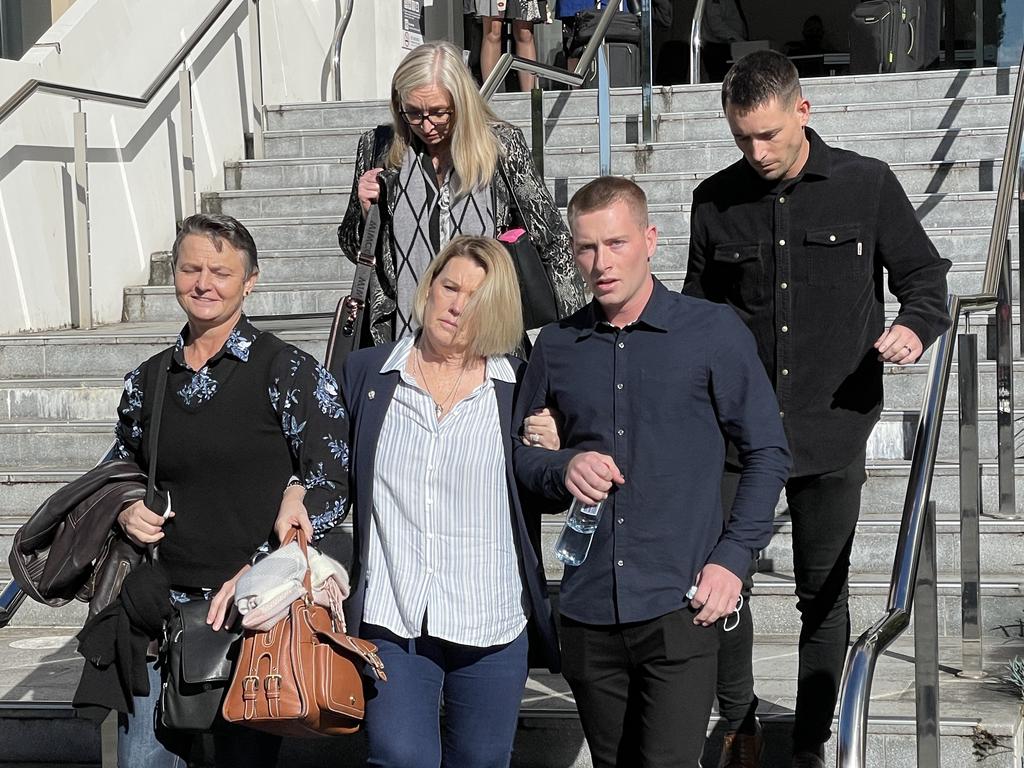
(475, 149)
(493, 317)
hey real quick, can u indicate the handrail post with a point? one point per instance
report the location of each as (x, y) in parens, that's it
(188, 161)
(256, 80)
(537, 127)
(604, 109)
(80, 267)
(926, 648)
(339, 34)
(1004, 389)
(695, 42)
(647, 71)
(970, 510)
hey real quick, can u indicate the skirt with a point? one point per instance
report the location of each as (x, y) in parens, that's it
(518, 10)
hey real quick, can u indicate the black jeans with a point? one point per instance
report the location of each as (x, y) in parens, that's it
(644, 690)
(824, 510)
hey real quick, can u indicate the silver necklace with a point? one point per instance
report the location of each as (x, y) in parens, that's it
(439, 407)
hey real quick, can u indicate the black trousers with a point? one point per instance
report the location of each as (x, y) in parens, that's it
(644, 690)
(824, 510)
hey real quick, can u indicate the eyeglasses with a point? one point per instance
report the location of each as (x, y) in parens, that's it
(435, 116)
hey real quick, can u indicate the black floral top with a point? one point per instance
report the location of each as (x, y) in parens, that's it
(303, 395)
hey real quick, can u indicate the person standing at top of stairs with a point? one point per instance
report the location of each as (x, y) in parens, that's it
(794, 236)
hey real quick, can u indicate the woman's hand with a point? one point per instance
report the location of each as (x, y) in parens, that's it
(141, 524)
(540, 429)
(292, 514)
(368, 189)
(224, 601)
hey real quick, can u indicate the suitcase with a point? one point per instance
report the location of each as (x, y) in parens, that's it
(890, 36)
(623, 67)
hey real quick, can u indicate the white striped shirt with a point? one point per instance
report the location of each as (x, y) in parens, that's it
(441, 543)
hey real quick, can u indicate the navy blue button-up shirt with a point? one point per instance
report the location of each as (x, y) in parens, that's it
(658, 396)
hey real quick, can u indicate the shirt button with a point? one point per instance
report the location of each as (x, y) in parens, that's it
(620, 432)
(785, 329)
(831, 238)
(429, 502)
(618, 386)
(782, 414)
(430, 570)
(620, 521)
(622, 345)
(785, 371)
(620, 563)
(782, 200)
(736, 256)
(783, 286)
(782, 242)
(430, 537)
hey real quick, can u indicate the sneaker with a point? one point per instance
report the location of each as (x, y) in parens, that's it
(742, 750)
(808, 760)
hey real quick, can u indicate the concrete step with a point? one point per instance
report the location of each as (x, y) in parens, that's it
(916, 178)
(562, 131)
(71, 399)
(946, 209)
(37, 724)
(954, 144)
(840, 91)
(40, 444)
(113, 350)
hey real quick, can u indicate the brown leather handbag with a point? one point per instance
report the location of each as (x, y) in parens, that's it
(304, 676)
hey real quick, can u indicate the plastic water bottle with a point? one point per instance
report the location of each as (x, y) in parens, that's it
(578, 532)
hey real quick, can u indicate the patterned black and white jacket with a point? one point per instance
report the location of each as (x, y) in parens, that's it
(530, 206)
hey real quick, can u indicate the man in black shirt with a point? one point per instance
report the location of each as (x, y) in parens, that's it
(794, 237)
(648, 382)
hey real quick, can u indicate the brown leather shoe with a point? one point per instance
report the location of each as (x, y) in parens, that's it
(742, 750)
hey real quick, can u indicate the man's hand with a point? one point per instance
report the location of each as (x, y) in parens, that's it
(141, 524)
(293, 514)
(590, 476)
(224, 601)
(899, 345)
(718, 591)
(540, 429)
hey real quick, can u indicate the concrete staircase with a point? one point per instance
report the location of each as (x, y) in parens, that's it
(943, 133)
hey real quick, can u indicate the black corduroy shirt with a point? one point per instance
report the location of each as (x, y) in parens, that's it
(801, 261)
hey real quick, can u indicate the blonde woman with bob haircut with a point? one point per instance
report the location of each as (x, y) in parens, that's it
(446, 574)
(446, 166)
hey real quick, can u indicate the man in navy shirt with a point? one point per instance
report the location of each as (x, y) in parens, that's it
(650, 384)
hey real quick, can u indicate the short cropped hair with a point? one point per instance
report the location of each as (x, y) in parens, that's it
(218, 227)
(603, 192)
(759, 77)
(493, 317)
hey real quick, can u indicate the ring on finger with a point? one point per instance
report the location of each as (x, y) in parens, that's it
(534, 438)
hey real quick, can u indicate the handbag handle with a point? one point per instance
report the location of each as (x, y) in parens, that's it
(307, 579)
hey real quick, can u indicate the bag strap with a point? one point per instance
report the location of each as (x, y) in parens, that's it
(163, 365)
(364, 649)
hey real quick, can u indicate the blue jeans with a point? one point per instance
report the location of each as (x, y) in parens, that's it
(140, 744)
(481, 689)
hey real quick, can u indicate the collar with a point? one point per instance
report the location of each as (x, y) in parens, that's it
(819, 159)
(498, 367)
(655, 314)
(238, 344)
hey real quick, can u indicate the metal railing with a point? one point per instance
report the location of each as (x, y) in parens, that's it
(917, 525)
(592, 54)
(339, 36)
(79, 269)
(696, 42)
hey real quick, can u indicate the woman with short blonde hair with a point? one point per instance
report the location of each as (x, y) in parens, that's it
(446, 575)
(447, 166)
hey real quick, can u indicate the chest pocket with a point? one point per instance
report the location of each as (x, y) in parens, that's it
(835, 255)
(743, 272)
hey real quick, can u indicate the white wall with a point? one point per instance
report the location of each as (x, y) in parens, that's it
(135, 180)
(135, 191)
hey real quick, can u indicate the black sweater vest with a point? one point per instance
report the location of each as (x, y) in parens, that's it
(225, 465)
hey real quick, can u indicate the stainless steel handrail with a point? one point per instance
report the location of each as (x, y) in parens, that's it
(696, 42)
(89, 94)
(855, 690)
(339, 35)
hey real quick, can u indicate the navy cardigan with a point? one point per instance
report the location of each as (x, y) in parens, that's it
(368, 393)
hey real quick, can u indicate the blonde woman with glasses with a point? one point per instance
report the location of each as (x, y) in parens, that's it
(446, 166)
